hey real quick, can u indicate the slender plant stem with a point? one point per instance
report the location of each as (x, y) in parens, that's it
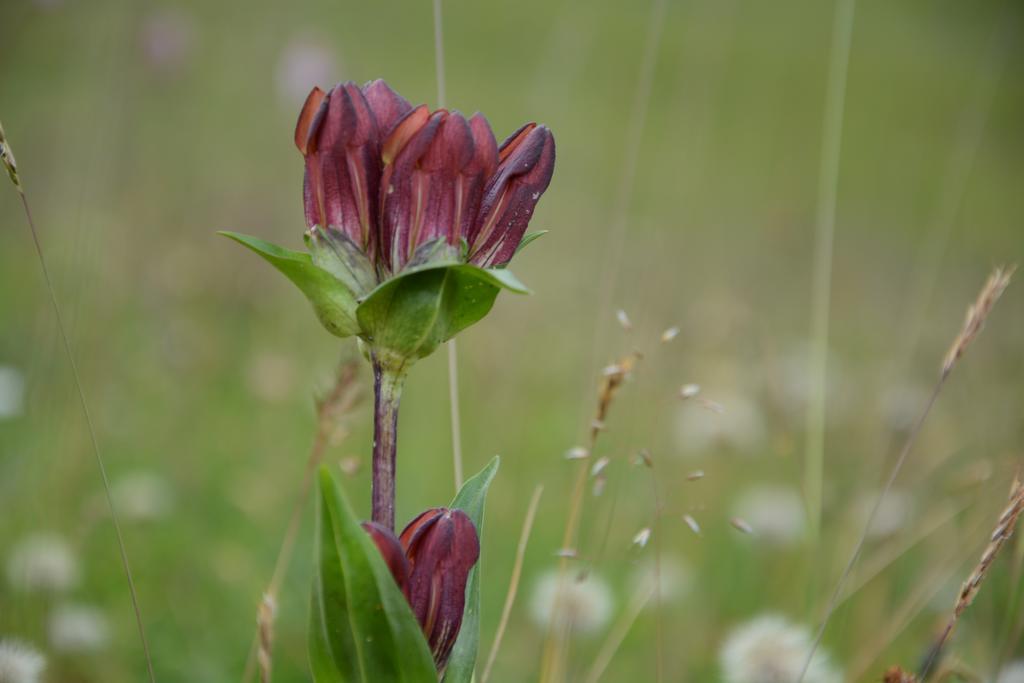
(92, 435)
(513, 584)
(615, 241)
(387, 394)
(855, 555)
(453, 402)
(618, 633)
(453, 351)
(821, 292)
(339, 401)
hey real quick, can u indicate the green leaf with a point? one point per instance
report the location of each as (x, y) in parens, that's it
(361, 627)
(529, 237)
(470, 499)
(333, 302)
(413, 312)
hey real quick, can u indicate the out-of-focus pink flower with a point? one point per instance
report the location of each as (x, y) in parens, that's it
(166, 39)
(304, 60)
(406, 185)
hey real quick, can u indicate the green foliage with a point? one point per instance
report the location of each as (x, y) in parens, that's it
(409, 315)
(470, 499)
(361, 627)
(333, 302)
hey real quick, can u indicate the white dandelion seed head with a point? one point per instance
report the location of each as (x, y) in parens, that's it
(770, 649)
(894, 512)
(739, 425)
(584, 605)
(901, 404)
(776, 513)
(305, 62)
(142, 496)
(668, 581)
(798, 385)
(20, 662)
(42, 562)
(1013, 672)
(12, 392)
(78, 628)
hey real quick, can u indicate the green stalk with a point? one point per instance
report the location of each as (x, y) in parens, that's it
(388, 380)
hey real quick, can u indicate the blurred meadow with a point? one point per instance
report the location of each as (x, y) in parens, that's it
(141, 128)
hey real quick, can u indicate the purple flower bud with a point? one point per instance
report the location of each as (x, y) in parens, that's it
(388, 106)
(431, 561)
(405, 184)
(341, 143)
(526, 163)
(391, 550)
(442, 547)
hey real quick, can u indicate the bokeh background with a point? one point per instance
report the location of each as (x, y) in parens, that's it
(141, 128)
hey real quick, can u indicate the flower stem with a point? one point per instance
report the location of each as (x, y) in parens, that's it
(387, 394)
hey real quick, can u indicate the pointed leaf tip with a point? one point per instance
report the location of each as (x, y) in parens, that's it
(333, 302)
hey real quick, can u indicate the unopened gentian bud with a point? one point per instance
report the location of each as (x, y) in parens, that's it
(391, 550)
(526, 163)
(431, 561)
(442, 547)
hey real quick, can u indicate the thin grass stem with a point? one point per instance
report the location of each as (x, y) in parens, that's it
(824, 234)
(133, 594)
(513, 584)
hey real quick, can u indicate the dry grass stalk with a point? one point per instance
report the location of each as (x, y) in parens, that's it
(612, 379)
(618, 633)
(898, 675)
(1000, 535)
(265, 631)
(977, 313)
(7, 157)
(513, 584)
(976, 316)
(330, 409)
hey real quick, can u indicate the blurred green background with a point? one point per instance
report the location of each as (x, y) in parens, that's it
(141, 128)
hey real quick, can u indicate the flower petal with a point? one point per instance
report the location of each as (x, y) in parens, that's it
(309, 109)
(344, 142)
(527, 162)
(388, 107)
(391, 551)
(404, 186)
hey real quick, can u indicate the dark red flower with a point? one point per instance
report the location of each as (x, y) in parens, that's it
(431, 561)
(403, 184)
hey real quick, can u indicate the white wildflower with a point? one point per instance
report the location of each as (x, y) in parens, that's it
(901, 404)
(42, 562)
(770, 649)
(12, 392)
(798, 385)
(1012, 672)
(585, 605)
(78, 628)
(893, 512)
(776, 513)
(142, 496)
(20, 662)
(739, 425)
(668, 580)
